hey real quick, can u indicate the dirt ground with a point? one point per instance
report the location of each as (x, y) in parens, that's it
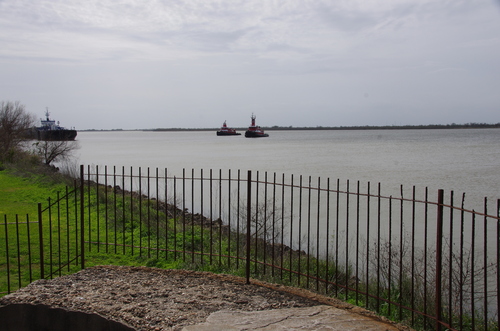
(156, 299)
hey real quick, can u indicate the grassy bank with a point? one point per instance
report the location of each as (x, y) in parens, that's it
(20, 192)
(126, 228)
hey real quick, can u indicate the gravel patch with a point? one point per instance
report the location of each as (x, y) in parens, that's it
(157, 299)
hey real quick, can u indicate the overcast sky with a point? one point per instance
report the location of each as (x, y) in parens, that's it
(158, 64)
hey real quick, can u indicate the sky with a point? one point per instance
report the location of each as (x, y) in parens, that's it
(138, 64)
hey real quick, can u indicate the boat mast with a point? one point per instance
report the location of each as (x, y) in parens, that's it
(253, 119)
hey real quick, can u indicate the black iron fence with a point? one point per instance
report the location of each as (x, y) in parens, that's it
(419, 257)
(40, 247)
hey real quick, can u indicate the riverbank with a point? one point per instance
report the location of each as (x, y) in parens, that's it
(291, 128)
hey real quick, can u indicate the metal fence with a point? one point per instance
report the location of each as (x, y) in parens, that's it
(40, 247)
(418, 257)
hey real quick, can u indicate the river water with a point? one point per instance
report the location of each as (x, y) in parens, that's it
(459, 160)
(462, 160)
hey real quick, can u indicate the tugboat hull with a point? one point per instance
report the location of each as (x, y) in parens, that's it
(225, 131)
(222, 133)
(253, 134)
(255, 131)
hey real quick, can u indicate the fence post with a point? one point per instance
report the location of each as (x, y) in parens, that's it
(40, 239)
(439, 262)
(498, 261)
(248, 239)
(82, 220)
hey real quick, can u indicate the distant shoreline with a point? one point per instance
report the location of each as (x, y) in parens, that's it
(291, 128)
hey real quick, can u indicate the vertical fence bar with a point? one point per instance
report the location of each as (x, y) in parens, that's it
(7, 257)
(67, 229)
(439, 262)
(462, 229)
(367, 271)
(211, 218)
(389, 277)
(238, 216)
(140, 212)
(59, 232)
(175, 219)
(115, 212)
(485, 263)
(75, 199)
(166, 213)
(184, 215)
(50, 239)
(123, 209)
(249, 215)
(327, 241)
(228, 219)
(300, 232)
(498, 262)
(273, 243)
(29, 247)
(426, 221)
(347, 240)
(401, 236)
(473, 263)
(220, 218)
(337, 221)
(148, 206)
(450, 263)
(89, 208)
(192, 215)
(132, 243)
(412, 298)
(291, 225)
(379, 227)
(106, 211)
(202, 255)
(282, 247)
(18, 253)
(257, 219)
(317, 234)
(264, 241)
(82, 220)
(356, 258)
(158, 214)
(98, 202)
(308, 259)
(154, 203)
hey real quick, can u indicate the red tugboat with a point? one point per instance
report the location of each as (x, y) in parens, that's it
(225, 131)
(255, 131)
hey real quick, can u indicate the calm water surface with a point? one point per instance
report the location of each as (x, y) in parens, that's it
(460, 160)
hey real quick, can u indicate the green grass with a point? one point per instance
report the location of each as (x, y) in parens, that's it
(20, 194)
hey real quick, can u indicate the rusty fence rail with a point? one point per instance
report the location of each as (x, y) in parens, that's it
(420, 257)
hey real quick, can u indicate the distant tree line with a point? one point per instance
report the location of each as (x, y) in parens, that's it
(393, 127)
(365, 127)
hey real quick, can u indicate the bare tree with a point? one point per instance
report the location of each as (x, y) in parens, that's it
(265, 220)
(14, 123)
(52, 150)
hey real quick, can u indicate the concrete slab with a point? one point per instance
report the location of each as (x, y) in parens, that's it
(320, 318)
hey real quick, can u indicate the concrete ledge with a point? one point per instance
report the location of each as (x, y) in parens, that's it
(28, 317)
(304, 319)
